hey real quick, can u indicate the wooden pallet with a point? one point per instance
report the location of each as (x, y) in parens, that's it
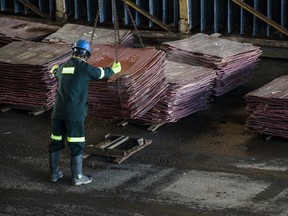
(151, 126)
(31, 110)
(117, 147)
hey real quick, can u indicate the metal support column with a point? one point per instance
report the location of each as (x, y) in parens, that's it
(217, 15)
(230, 15)
(61, 10)
(255, 19)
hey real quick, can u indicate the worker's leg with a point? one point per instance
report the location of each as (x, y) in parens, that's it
(76, 143)
(56, 144)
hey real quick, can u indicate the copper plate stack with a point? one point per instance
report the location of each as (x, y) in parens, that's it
(25, 77)
(17, 30)
(268, 108)
(70, 33)
(233, 62)
(132, 92)
(189, 91)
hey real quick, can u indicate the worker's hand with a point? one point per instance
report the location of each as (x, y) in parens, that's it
(54, 68)
(116, 67)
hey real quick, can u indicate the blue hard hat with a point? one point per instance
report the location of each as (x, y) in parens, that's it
(82, 45)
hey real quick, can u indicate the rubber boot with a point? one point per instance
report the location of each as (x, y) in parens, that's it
(76, 168)
(55, 174)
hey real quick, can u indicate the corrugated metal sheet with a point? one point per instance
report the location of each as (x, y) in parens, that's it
(47, 6)
(204, 15)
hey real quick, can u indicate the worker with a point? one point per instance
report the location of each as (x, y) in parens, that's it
(70, 109)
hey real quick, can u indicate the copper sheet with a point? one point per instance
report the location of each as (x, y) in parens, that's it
(25, 78)
(230, 60)
(189, 91)
(70, 33)
(268, 108)
(12, 29)
(132, 92)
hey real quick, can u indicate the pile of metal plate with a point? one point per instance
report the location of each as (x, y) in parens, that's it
(232, 61)
(70, 33)
(132, 92)
(268, 108)
(189, 91)
(16, 30)
(25, 77)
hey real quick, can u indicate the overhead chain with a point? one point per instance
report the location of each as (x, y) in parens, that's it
(133, 22)
(116, 29)
(100, 3)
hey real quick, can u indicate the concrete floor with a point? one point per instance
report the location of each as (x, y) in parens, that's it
(205, 164)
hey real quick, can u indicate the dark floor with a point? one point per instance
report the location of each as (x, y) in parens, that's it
(205, 164)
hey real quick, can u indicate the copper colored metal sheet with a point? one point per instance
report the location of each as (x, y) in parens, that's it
(189, 91)
(25, 78)
(132, 92)
(233, 62)
(12, 29)
(268, 108)
(70, 33)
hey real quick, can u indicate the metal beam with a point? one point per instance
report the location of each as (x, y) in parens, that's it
(261, 16)
(35, 9)
(145, 13)
(61, 10)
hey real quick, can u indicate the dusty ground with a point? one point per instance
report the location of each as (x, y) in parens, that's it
(205, 164)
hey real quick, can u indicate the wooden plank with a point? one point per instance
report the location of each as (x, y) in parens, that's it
(132, 145)
(154, 127)
(112, 153)
(5, 108)
(262, 17)
(118, 143)
(37, 112)
(108, 141)
(132, 151)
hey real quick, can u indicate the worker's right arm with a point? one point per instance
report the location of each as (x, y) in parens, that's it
(54, 70)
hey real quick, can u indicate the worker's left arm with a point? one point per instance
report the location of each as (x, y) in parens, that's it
(101, 73)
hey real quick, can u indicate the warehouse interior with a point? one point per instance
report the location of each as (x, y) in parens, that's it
(205, 113)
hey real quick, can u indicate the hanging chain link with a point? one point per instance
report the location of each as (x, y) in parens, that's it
(134, 23)
(116, 29)
(100, 3)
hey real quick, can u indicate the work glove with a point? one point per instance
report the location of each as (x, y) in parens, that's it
(54, 68)
(116, 67)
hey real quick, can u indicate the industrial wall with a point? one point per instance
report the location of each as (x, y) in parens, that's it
(208, 16)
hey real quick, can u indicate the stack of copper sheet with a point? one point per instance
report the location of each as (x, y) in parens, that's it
(70, 33)
(132, 92)
(233, 62)
(189, 91)
(16, 30)
(268, 108)
(25, 77)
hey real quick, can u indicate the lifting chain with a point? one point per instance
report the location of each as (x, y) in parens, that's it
(116, 25)
(100, 2)
(116, 29)
(134, 23)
